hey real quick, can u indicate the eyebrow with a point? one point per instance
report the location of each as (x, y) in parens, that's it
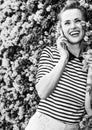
(77, 19)
(74, 19)
(67, 21)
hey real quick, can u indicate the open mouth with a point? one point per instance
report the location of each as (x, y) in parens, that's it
(74, 33)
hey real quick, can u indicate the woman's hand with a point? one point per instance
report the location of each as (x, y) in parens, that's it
(62, 45)
(88, 63)
(87, 58)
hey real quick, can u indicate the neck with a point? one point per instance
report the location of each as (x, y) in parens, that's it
(74, 49)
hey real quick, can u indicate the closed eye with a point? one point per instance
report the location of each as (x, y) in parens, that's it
(67, 22)
(77, 20)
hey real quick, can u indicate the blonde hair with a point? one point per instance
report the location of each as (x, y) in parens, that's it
(73, 5)
(70, 4)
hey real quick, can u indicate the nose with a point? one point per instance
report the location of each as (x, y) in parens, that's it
(73, 25)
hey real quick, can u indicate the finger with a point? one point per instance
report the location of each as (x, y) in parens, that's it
(89, 51)
(87, 57)
(63, 39)
(90, 65)
(63, 45)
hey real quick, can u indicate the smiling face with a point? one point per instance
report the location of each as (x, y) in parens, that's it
(72, 26)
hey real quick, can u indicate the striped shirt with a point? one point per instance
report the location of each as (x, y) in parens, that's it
(66, 102)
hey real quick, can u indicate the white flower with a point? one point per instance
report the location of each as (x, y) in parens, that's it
(15, 5)
(14, 32)
(31, 17)
(1, 106)
(37, 16)
(31, 47)
(20, 113)
(40, 42)
(46, 33)
(48, 8)
(31, 77)
(6, 80)
(14, 74)
(16, 64)
(4, 33)
(40, 5)
(90, 7)
(86, 38)
(16, 86)
(14, 18)
(82, 2)
(15, 127)
(5, 62)
(52, 34)
(11, 106)
(22, 7)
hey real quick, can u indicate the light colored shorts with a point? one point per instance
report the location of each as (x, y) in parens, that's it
(40, 121)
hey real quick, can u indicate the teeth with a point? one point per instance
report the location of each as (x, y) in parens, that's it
(74, 33)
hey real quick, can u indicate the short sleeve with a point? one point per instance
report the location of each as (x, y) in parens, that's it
(45, 63)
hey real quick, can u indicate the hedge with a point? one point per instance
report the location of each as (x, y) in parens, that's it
(26, 27)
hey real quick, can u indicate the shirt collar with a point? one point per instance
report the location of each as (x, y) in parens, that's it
(71, 57)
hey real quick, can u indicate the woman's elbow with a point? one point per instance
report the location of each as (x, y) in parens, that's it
(42, 96)
(41, 93)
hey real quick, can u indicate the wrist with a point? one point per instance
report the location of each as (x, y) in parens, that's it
(64, 59)
(89, 87)
(89, 84)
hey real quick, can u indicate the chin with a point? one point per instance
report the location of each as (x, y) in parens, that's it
(75, 41)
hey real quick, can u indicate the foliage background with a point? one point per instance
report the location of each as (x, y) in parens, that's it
(26, 27)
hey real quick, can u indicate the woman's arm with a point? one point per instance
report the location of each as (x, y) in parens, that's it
(48, 82)
(88, 101)
(88, 107)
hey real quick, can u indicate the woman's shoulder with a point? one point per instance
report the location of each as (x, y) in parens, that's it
(50, 51)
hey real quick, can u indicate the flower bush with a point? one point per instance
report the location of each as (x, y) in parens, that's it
(26, 27)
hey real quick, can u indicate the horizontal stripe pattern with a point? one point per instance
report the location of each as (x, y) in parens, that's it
(66, 102)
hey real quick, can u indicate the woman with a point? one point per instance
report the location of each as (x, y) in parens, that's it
(61, 80)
